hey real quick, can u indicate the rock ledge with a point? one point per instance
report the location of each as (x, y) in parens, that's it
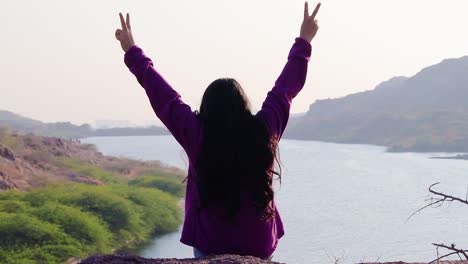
(128, 259)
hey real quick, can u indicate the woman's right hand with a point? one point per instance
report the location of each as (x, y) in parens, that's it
(124, 35)
(309, 25)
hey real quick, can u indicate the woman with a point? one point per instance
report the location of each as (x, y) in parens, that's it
(229, 205)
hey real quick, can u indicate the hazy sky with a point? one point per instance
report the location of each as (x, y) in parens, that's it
(61, 62)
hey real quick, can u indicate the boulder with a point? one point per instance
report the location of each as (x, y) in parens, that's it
(6, 153)
(6, 185)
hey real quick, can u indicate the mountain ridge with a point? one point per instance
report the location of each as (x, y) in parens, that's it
(427, 112)
(67, 130)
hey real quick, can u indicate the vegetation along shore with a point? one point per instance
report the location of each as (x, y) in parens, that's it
(61, 199)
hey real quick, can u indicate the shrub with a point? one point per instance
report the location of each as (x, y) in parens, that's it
(44, 254)
(13, 206)
(160, 211)
(42, 196)
(115, 210)
(168, 184)
(86, 228)
(20, 230)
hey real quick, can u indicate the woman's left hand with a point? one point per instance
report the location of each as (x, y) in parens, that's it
(124, 35)
(309, 25)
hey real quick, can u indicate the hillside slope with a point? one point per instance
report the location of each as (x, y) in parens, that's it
(29, 161)
(426, 112)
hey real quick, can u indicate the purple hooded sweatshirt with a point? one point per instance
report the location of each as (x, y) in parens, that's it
(208, 230)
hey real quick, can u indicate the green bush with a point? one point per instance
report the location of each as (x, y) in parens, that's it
(119, 213)
(48, 254)
(160, 211)
(13, 206)
(20, 230)
(42, 196)
(168, 184)
(85, 227)
(17, 257)
(11, 195)
(56, 253)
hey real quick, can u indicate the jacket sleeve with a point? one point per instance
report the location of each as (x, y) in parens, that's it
(276, 107)
(177, 116)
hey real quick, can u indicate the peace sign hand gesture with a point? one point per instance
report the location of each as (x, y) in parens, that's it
(124, 35)
(309, 25)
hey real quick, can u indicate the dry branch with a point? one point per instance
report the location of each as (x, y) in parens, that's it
(438, 200)
(454, 251)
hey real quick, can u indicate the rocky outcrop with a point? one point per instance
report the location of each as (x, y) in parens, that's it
(30, 161)
(6, 153)
(5, 184)
(220, 259)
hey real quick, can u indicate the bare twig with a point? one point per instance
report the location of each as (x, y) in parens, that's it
(335, 259)
(446, 197)
(442, 257)
(437, 201)
(453, 249)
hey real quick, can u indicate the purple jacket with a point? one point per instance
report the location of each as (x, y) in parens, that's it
(207, 230)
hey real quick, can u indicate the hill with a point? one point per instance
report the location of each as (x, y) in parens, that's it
(30, 161)
(424, 113)
(25, 125)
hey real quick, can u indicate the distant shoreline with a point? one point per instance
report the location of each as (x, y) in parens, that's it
(390, 149)
(387, 149)
(457, 157)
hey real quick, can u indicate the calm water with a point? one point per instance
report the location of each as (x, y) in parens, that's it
(338, 201)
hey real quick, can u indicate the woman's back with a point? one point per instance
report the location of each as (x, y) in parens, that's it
(237, 218)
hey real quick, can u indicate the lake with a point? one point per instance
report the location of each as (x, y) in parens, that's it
(338, 201)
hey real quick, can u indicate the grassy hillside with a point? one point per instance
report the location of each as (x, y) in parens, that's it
(64, 199)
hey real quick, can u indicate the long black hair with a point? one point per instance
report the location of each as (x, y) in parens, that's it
(237, 153)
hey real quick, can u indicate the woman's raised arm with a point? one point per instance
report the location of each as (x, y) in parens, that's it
(177, 116)
(275, 108)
